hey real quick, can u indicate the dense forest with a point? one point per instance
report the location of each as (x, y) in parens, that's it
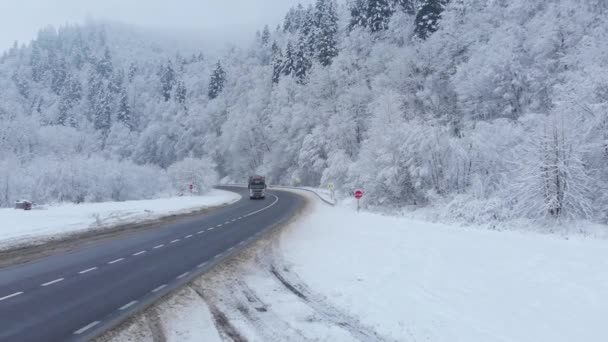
(493, 109)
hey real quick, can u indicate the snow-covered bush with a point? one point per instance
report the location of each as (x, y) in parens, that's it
(79, 179)
(200, 173)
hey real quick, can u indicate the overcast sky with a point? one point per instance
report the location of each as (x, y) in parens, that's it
(238, 19)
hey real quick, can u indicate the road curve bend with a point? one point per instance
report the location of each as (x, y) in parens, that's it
(76, 296)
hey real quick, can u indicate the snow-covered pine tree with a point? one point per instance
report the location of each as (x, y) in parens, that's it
(104, 67)
(358, 14)
(289, 65)
(218, 79)
(378, 15)
(288, 23)
(303, 61)
(70, 96)
(167, 80)
(428, 17)
(123, 110)
(102, 111)
(37, 62)
(181, 92)
(58, 75)
(100, 94)
(327, 30)
(407, 6)
(294, 19)
(277, 63)
(265, 39)
(309, 32)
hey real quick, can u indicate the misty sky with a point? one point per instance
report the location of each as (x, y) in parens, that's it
(238, 19)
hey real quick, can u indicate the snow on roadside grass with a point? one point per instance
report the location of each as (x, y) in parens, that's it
(185, 317)
(414, 280)
(323, 193)
(18, 226)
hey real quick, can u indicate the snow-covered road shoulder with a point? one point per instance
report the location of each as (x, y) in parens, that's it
(18, 227)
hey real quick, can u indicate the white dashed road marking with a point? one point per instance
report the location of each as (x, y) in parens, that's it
(217, 256)
(88, 270)
(182, 275)
(11, 296)
(126, 306)
(188, 236)
(115, 261)
(85, 328)
(267, 207)
(201, 232)
(139, 253)
(176, 241)
(159, 246)
(52, 282)
(159, 288)
(230, 249)
(201, 265)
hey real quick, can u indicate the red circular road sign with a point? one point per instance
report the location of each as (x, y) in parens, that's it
(359, 194)
(191, 186)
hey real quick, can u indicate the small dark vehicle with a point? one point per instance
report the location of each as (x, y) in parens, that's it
(23, 204)
(257, 187)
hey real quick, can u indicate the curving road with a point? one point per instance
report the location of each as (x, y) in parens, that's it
(77, 295)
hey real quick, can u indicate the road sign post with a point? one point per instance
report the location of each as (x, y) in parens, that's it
(358, 196)
(191, 189)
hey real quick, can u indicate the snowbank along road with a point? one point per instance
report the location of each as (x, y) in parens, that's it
(77, 295)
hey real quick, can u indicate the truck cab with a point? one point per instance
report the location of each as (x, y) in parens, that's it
(257, 187)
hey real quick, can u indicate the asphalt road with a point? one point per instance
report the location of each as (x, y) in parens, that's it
(76, 296)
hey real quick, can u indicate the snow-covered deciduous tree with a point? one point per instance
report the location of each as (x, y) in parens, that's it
(550, 179)
(200, 173)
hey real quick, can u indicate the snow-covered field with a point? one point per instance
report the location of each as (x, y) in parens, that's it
(413, 280)
(338, 275)
(18, 226)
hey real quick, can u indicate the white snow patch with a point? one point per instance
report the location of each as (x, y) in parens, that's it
(186, 317)
(414, 280)
(138, 331)
(19, 226)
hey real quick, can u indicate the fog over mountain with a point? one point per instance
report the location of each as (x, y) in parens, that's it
(206, 21)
